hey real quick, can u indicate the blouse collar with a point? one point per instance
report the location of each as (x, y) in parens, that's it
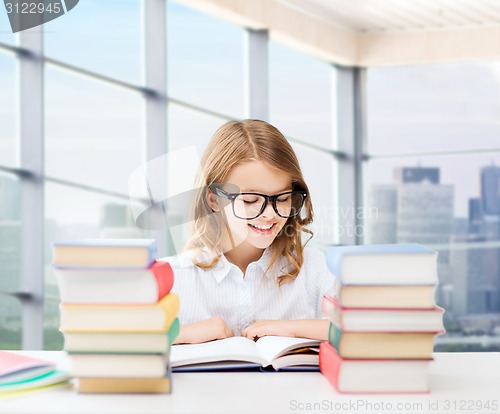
(224, 266)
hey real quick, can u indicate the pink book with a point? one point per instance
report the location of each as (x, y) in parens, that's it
(382, 319)
(16, 367)
(387, 376)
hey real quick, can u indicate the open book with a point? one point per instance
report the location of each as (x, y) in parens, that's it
(269, 352)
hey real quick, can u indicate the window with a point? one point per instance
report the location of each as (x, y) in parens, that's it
(93, 140)
(100, 36)
(301, 108)
(6, 35)
(94, 131)
(205, 61)
(301, 95)
(321, 191)
(447, 195)
(407, 115)
(187, 128)
(10, 259)
(10, 233)
(8, 112)
(10, 322)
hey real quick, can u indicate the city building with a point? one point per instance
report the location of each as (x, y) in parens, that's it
(415, 209)
(490, 189)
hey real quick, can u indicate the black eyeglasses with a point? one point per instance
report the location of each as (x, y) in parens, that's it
(248, 206)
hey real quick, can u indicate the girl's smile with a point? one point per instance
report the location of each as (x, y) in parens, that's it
(263, 229)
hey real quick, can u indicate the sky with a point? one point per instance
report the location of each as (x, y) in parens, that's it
(94, 131)
(445, 107)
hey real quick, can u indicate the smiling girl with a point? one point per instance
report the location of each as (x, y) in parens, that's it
(246, 271)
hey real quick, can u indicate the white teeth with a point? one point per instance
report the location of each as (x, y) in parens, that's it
(262, 227)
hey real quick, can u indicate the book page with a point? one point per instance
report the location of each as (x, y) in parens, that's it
(236, 348)
(305, 361)
(273, 347)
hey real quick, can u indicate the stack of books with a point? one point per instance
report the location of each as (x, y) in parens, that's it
(383, 318)
(118, 316)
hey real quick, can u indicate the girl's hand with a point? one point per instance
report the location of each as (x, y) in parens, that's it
(204, 331)
(302, 328)
(269, 327)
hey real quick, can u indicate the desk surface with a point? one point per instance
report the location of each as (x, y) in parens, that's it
(460, 383)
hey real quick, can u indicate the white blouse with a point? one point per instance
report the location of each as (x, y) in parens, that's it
(223, 291)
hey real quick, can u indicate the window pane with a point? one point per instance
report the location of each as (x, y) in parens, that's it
(10, 233)
(451, 204)
(100, 36)
(205, 60)
(75, 214)
(6, 35)
(8, 109)
(471, 301)
(52, 339)
(186, 128)
(10, 323)
(319, 172)
(94, 132)
(405, 114)
(300, 95)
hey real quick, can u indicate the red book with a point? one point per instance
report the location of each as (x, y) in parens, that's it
(383, 320)
(373, 376)
(115, 286)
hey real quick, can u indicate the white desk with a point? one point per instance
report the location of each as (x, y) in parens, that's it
(461, 383)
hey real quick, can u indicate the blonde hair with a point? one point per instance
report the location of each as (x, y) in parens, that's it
(237, 142)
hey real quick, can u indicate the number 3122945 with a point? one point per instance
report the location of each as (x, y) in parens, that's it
(33, 8)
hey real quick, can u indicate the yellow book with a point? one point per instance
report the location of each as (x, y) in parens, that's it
(119, 365)
(120, 318)
(20, 393)
(104, 253)
(403, 296)
(125, 385)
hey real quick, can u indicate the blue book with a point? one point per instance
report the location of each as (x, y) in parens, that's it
(104, 253)
(383, 264)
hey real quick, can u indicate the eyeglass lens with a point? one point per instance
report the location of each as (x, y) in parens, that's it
(249, 206)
